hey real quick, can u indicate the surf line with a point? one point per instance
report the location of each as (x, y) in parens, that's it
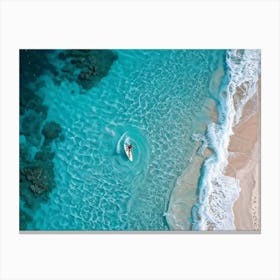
(216, 191)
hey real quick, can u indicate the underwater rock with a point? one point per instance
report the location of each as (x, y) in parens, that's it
(30, 127)
(31, 101)
(39, 178)
(38, 188)
(51, 131)
(27, 96)
(42, 110)
(93, 65)
(45, 153)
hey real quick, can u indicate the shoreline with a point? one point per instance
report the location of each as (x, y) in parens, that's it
(244, 165)
(184, 195)
(185, 192)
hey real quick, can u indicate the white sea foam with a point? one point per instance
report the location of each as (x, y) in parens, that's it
(217, 192)
(245, 70)
(120, 142)
(203, 140)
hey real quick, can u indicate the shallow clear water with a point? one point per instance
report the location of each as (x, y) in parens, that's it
(153, 97)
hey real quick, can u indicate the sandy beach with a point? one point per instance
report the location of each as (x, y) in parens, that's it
(244, 164)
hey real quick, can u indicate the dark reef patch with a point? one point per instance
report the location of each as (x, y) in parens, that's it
(51, 131)
(31, 101)
(86, 67)
(34, 63)
(38, 177)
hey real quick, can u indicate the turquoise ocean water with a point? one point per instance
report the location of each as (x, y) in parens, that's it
(154, 98)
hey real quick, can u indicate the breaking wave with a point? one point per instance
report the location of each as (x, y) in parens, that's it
(216, 191)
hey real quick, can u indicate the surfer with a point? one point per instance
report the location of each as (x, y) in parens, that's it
(129, 147)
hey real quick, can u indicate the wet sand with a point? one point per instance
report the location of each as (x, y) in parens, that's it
(184, 195)
(244, 164)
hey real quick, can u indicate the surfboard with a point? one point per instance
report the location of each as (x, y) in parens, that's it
(128, 152)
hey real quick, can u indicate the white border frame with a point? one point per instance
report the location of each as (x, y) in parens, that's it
(124, 24)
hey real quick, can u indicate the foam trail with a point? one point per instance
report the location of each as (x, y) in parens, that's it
(217, 192)
(119, 142)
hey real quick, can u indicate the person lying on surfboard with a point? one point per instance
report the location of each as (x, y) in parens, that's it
(127, 149)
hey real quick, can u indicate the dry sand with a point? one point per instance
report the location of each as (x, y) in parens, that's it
(244, 164)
